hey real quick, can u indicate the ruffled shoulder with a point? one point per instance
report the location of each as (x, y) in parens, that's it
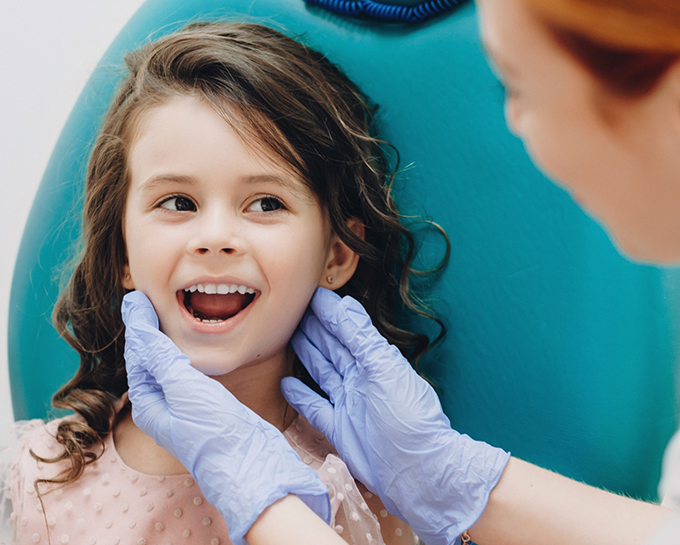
(351, 517)
(14, 443)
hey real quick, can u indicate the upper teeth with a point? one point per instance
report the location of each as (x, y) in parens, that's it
(222, 289)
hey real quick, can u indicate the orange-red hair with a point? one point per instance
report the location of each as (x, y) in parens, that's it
(627, 44)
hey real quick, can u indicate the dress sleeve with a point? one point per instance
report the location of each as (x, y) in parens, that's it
(355, 510)
(352, 518)
(357, 516)
(13, 443)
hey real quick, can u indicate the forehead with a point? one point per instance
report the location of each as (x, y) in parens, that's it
(192, 123)
(187, 138)
(512, 35)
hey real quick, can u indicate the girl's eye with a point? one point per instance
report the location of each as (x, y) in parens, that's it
(179, 203)
(266, 204)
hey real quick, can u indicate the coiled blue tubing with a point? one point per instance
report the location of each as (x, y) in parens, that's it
(402, 14)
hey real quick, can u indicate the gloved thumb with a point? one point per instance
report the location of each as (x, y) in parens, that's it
(137, 309)
(316, 410)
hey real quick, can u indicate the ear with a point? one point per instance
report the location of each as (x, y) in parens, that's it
(127, 282)
(342, 261)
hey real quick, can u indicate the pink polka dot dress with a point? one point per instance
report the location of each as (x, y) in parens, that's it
(112, 504)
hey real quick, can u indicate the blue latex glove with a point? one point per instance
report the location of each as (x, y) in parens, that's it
(387, 423)
(242, 463)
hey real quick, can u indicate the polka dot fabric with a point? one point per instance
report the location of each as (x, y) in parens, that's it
(113, 504)
(109, 504)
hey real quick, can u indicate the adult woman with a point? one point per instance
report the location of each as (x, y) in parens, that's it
(594, 92)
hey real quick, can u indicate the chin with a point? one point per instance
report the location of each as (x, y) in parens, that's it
(212, 363)
(213, 369)
(223, 362)
(647, 252)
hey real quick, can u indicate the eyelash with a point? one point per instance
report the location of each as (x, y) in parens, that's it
(278, 201)
(177, 196)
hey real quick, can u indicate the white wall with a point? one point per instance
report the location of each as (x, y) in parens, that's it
(48, 50)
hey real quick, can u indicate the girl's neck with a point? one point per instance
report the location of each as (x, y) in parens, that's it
(257, 386)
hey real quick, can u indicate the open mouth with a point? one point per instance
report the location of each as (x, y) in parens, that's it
(214, 303)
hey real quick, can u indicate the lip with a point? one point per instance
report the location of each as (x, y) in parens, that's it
(214, 328)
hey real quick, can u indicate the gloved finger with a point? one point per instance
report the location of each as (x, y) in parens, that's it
(322, 370)
(149, 349)
(147, 399)
(330, 346)
(154, 349)
(185, 387)
(344, 317)
(136, 308)
(351, 324)
(140, 380)
(147, 408)
(142, 386)
(317, 411)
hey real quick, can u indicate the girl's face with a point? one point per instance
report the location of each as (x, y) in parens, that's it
(618, 158)
(228, 245)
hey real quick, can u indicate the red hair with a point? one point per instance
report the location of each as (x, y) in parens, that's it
(626, 44)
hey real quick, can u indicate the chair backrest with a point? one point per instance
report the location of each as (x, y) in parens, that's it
(558, 349)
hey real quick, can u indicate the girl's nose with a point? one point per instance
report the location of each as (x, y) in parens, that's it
(216, 233)
(513, 116)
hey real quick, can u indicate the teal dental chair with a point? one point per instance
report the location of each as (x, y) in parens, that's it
(558, 349)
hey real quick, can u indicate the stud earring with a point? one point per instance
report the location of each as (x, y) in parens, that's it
(329, 279)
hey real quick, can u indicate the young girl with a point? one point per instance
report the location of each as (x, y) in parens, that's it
(235, 173)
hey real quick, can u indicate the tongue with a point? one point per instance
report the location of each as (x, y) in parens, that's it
(216, 306)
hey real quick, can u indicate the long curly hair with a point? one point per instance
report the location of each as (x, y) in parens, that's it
(302, 109)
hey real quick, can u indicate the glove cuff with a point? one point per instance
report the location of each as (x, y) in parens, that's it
(466, 473)
(241, 520)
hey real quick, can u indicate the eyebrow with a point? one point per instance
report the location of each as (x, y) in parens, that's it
(162, 179)
(183, 180)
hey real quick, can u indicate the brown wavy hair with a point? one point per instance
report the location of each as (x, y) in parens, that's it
(295, 104)
(628, 45)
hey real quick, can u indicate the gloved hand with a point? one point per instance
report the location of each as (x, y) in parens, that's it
(242, 463)
(387, 423)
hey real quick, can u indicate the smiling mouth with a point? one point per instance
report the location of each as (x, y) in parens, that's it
(214, 303)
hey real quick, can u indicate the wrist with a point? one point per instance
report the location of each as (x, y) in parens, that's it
(466, 471)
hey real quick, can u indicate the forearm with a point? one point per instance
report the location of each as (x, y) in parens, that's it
(290, 522)
(530, 504)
